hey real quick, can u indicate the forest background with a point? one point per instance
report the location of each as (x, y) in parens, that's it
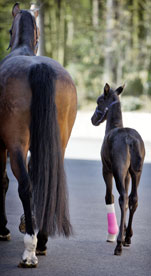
(97, 41)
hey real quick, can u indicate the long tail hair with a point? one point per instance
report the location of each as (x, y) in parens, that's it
(46, 170)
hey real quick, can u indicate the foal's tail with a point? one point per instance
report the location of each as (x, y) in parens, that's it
(46, 168)
(137, 157)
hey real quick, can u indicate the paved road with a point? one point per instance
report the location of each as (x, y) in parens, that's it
(87, 253)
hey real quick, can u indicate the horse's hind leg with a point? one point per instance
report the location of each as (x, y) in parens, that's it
(4, 232)
(41, 244)
(18, 165)
(109, 199)
(133, 203)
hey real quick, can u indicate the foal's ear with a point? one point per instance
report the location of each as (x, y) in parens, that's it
(119, 89)
(106, 89)
(15, 9)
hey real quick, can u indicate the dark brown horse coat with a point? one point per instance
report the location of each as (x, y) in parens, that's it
(15, 101)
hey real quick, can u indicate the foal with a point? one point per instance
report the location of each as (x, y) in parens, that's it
(122, 156)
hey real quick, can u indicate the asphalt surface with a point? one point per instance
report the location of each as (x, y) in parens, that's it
(87, 252)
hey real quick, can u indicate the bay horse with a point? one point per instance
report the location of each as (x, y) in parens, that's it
(122, 155)
(38, 105)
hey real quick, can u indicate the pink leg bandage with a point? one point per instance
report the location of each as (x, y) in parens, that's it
(112, 223)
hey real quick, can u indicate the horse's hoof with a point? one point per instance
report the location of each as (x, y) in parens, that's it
(29, 262)
(41, 252)
(4, 234)
(24, 264)
(5, 237)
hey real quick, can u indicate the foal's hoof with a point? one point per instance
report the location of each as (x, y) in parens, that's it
(127, 242)
(118, 250)
(111, 238)
(5, 235)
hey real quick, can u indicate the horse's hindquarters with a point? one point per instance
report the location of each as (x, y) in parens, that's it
(66, 102)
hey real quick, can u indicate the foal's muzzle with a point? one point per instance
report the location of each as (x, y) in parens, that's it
(98, 116)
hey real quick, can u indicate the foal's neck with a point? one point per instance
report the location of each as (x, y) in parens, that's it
(114, 118)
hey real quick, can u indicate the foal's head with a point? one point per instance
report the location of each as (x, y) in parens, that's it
(104, 102)
(24, 30)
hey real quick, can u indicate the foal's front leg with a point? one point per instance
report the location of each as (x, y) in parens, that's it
(18, 165)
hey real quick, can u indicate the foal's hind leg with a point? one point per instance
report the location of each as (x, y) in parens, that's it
(18, 165)
(120, 184)
(4, 232)
(109, 199)
(133, 203)
(127, 182)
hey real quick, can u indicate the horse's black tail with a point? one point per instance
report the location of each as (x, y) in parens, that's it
(137, 157)
(46, 168)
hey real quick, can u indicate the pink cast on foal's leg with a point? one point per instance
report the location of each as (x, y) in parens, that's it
(112, 223)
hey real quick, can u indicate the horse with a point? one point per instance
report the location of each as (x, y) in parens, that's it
(122, 155)
(38, 106)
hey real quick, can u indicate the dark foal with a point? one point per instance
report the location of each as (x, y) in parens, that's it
(122, 156)
(38, 105)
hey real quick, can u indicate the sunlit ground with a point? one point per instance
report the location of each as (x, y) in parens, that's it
(86, 139)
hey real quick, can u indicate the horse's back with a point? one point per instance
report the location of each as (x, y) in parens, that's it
(18, 66)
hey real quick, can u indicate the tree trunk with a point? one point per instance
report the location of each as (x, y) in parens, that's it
(40, 23)
(108, 42)
(95, 13)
